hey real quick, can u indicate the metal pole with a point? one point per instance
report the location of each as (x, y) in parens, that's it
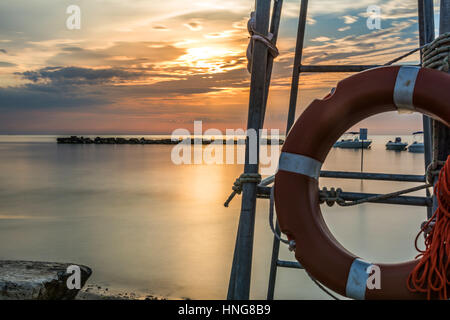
(440, 131)
(444, 22)
(239, 287)
(362, 155)
(290, 122)
(274, 28)
(426, 35)
(274, 264)
(297, 63)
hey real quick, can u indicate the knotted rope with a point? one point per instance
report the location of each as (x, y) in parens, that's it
(433, 170)
(237, 185)
(256, 36)
(332, 196)
(432, 273)
(437, 53)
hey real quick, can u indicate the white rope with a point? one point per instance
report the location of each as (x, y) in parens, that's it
(291, 243)
(436, 55)
(255, 36)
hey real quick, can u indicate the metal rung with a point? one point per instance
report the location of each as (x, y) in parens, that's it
(402, 200)
(264, 193)
(289, 264)
(336, 68)
(373, 176)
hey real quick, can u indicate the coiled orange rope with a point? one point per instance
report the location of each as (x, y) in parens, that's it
(432, 274)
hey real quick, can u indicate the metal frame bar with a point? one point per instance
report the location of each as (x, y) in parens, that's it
(290, 121)
(373, 176)
(264, 193)
(289, 264)
(426, 35)
(240, 277)
(297, 63)
(335, 68)
(274, 29)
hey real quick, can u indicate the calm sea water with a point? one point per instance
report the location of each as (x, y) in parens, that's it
(143, 223)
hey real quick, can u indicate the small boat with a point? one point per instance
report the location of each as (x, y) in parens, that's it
(397, 145)
(417, 146)
(353, 143)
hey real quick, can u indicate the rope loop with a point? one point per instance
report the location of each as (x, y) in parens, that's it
(256, 36)
(433, 170)
(239, 182)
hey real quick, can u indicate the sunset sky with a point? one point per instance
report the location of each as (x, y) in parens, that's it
(149, 67)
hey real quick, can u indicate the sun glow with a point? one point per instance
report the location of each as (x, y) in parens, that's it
(207, 60)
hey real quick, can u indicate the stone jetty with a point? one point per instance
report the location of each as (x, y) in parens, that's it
(31, 280)
(109, 140)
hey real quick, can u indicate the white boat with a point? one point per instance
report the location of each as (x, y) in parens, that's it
(352, 143)
(417, 146)
(396, 145)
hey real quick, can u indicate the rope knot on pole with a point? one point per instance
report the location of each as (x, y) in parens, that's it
(330, 197)
(433, 170)
(239, 182)
(333, 196)
(256, 36)
(436, 54)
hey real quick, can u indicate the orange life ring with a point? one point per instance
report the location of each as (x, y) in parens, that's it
(305, 149)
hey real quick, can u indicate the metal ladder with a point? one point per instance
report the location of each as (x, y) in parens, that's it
(239, 285)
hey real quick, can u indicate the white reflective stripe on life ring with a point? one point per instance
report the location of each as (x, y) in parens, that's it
(404, 87)
(357, 279)
(297, 163)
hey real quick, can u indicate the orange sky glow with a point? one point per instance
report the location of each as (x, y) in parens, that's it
(150, 67)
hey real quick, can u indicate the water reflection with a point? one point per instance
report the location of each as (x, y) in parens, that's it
(143, 223)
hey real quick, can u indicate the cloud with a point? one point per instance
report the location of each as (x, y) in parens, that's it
(350, 19)
(321, 39)
(41, 97)
(310, 20)
(80, 88)
(76, 75)
(374, 47)
(6, 64)
(344, 29)
(118, 54)
(194, 26)
(109, 74)
(160, 27)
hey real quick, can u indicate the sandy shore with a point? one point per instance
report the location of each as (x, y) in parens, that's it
(102, 292)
